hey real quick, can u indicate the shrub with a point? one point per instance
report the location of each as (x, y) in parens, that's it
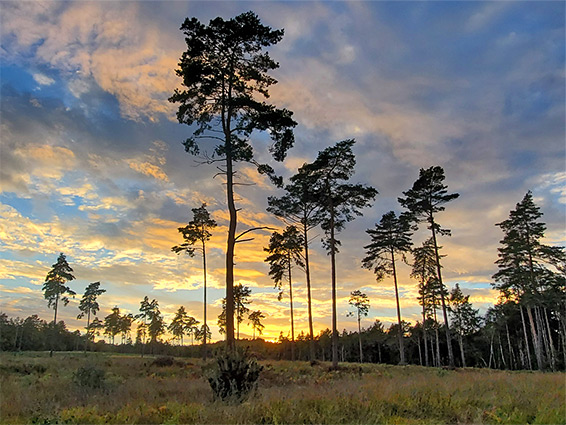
(163, 361)
(89, 376)
(235, 376)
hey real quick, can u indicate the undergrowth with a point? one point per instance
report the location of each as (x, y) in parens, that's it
(136, 390)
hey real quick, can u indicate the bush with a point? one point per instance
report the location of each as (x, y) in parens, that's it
(235, 376)
(163, 361)
(89, 376)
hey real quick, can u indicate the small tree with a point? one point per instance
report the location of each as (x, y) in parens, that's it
(284, 251)
(255, 319)
(197, 231)
(112, 324)
(360, 302)
(241, 302)
(340, 203)
(389, 238)
(151, 321)
(223, 71)
(465, 319)
(178, 325)
(424, 200)
(89, 304)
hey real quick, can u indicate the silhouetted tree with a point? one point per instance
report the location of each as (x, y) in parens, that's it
(255, 319)
(300, 206)
(54, 288)
(112, 324)
(223, 71)
(424, 270)
(465, 319)
(339, 202)
(284, 251)
(241, 301)
(389, 238)
(360, 302)
(424, 200)
(89, 304)
(528, 269)
(197, 231)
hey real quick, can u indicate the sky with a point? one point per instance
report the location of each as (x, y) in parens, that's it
(92, 163)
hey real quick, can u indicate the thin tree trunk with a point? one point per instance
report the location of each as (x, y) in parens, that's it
(420, 350)
(87, 330)
(333, 277)
(424, 336)
(360, 337)
(401, 347)
(526, 338)
(536, 341)
(491, 350)
(309, 299)
(550, 342)
(437, 338)
(231, 242)
(204, 348)
(444, 312)
(461, 341)
(291, 306)
(501, 351)
(511, 355)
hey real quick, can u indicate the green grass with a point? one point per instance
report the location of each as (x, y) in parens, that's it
(39, 389)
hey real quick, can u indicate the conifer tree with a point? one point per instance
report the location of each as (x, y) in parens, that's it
(224, 72)
(255, 319)
(198, 232)
(465, 319)
(389, 238)
(423, 201)
(89, 304)
(285, 251)
(528, 269)
(339, 202)
(299, 206)
(360, 302)
(54, 288)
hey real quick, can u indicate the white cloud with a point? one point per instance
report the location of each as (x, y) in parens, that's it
(43, 80)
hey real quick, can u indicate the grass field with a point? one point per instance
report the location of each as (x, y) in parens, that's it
(39, 389)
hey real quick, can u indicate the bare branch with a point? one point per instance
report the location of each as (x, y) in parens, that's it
(253, 229)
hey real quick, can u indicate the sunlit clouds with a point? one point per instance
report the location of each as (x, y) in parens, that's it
(92, 162)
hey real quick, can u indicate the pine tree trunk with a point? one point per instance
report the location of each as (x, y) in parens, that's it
(549, 337)
(231, 242)
(309, 298)
(360, 337)
(511, 355)
(501, 351)
(536, 340)
(425, 337)
(461, 341)
(333, 277)
(443, 301)
(528, 350)
(291, 306)
(204, 348)
(401, 347)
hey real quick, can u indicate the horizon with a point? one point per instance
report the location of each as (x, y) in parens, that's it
(93, 165)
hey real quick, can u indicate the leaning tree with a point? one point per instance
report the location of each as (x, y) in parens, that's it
(424, 201)
(225, 79)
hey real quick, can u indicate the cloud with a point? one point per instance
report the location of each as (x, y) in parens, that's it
(43, 80)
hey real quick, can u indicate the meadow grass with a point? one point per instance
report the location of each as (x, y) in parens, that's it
(39, 389)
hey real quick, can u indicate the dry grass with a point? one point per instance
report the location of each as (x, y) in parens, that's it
(41, 390)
